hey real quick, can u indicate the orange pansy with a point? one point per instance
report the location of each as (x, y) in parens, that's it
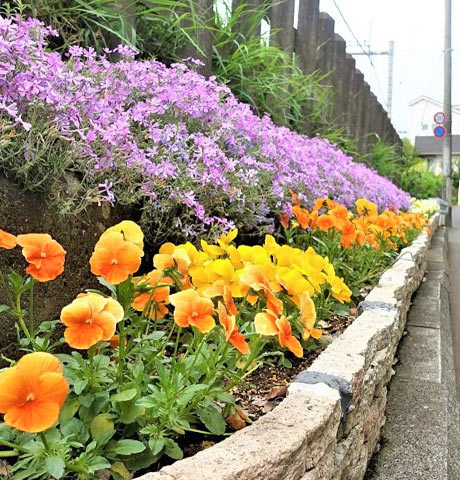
(45, 255)
(302, 216)
(325, 222)
(114, 258)
(171, 256)
(158, 295)
(7, 240)
(308, 317)
(232, 335)
(253, 277)
(33, 392)
(284, 220)
(285, 337)
(90, 319)
(193, 310)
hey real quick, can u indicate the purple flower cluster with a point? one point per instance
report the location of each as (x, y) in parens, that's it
(184, 144)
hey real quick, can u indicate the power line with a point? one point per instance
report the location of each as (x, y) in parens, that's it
(367, 53)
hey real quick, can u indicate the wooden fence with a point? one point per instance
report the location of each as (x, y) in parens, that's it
(316, 47)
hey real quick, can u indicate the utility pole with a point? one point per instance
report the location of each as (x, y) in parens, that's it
(447, 140)
(390, 53)
(391, 56)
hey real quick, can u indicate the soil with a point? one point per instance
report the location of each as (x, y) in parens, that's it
(264, 389)
(24, 212)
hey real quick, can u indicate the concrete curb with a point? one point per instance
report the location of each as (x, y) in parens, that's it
(308, 436)
(422, 434)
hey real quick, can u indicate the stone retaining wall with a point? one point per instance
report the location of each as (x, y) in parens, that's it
(329, 425)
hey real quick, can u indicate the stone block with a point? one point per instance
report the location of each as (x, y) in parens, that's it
(281, 444)
(324, 468)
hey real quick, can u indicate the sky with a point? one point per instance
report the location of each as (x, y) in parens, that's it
(417, 28)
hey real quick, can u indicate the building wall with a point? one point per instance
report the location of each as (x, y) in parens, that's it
(421, 119)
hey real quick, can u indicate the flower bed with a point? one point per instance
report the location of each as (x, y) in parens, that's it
(148, 372)
(329, 425)
(166, 139)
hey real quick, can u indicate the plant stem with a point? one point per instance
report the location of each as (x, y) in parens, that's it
(10, 453)
(31, 306)
(12, 445)
(121, 349)
(45, 442)
(20, 319)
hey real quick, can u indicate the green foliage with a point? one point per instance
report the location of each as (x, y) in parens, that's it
(262, 74)
(421, 184)
(387, 160)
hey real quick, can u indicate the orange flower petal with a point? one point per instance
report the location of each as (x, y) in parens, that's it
(52, 387)
(238, 341)
(76, 313)
(107, 324)
(7, 240)
(265, 324)
(33, 365)
(294, 346)
(14, 389)
(83, 337)
(204, 323)
(33, 417)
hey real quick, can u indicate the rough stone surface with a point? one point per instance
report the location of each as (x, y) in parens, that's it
(304, 438)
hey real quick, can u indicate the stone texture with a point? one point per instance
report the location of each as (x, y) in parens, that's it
(324, 468)
(282, 444)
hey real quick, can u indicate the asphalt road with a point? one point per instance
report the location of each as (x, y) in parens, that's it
(454, 267)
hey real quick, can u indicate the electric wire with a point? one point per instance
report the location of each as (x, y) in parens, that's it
(364, 51)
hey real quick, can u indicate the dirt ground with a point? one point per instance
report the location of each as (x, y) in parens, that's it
(24, 212)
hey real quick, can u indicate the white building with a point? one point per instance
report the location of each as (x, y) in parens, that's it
(422, 111)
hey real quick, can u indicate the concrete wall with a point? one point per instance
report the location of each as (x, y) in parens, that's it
(329, 425)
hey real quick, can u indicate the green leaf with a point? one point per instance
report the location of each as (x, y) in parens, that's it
(100, 424)
(173, 450)
(131, 414)
(79, 385)
(119, 467)
(55, 466)
(69, 409)
(124, 396)
(97, 463)
(76, 428)
(4, 308)
(129, 447)
(86, 400)
(225, 397)
(156, 445)
(212, 419)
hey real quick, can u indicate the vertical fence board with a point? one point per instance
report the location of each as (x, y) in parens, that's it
(338, 75)
(203, 35)
(250, 7)
(307, 35)
(281, 15)
(350, 85)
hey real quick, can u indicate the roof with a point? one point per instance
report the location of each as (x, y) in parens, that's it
(430, 145)
(425, 98)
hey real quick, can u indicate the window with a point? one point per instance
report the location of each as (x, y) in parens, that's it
(424, 126)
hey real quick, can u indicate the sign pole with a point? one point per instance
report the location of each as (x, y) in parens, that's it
(447, 140)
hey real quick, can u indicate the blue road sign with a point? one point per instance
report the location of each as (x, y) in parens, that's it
(439, 131)
(439, 118)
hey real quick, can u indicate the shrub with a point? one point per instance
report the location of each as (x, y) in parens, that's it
(180, 147)
(422, 184)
